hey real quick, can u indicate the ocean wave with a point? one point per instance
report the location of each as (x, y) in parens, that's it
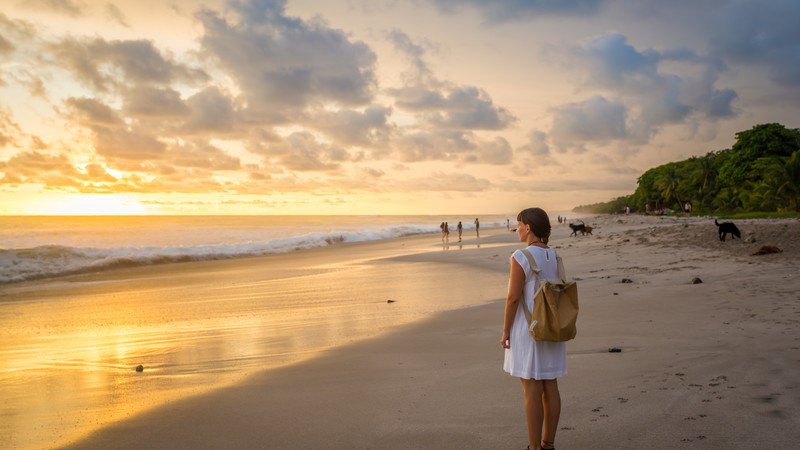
(50, 261)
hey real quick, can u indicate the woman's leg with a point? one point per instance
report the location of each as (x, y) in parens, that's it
(533, 411)
(551, 399)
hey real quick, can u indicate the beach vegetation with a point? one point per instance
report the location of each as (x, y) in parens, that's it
(759, 215)
(759, 173)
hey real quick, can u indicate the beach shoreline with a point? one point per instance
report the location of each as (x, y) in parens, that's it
(149, 318)
(700, 365)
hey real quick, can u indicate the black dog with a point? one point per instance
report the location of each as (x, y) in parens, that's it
(725, 228)
(576, 227)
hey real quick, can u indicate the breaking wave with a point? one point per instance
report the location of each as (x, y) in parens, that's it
(47, 261)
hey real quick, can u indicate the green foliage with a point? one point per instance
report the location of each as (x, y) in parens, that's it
(755, 147)
(616, 205)
(760, 215)
(760, 172)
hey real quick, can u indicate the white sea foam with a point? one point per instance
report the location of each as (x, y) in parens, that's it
(44, 247)
(56, 260)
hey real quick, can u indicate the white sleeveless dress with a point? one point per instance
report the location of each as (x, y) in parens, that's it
(527, 358)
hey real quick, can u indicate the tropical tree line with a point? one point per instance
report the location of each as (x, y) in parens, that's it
(760, 172)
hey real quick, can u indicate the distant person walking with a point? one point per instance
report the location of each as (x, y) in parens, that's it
(687, 208)
(442, 227)
(460, 230)
(538, 364)
(477, 227)
(446, 232)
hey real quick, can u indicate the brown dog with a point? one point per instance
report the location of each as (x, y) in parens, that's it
(587, 230)
(767, 249)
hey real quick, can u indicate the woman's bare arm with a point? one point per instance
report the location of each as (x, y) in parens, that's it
(515, 284)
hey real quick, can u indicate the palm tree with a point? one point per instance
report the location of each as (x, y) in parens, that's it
(727, 200)
(787, 174)
(668, 182)
(704, 171)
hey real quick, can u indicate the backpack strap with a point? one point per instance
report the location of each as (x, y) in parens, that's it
(531, 261)
(536, 271)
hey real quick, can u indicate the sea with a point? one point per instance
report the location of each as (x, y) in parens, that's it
(43, 247)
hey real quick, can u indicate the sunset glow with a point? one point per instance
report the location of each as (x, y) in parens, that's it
(346, 107)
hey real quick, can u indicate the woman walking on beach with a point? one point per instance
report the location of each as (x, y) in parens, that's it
(538, 364)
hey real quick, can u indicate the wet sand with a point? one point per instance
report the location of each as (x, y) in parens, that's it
(707, 365)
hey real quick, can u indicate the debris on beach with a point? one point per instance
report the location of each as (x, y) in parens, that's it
(626, 280)
(615, 350)
(766, 250)
(696, 280)
(140, 368)
(750, 239)
(390, 301)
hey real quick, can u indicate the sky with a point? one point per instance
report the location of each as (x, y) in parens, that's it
(375, 106)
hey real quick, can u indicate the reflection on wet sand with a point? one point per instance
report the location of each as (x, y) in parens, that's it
(68, 355)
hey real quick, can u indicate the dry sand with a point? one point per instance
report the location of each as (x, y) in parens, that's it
(709, 365)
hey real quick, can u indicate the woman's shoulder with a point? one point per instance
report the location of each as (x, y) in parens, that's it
(536, 249)
(519, 256)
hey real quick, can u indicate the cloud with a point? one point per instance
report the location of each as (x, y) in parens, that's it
(116, 15)
(536, 145)
(439, 103)
(506, 10)
(13, 35)
(419, 73)
(281, 63)
(34, 167)
(612, 60)
(496, 152)
(210, 111)
(10, 131)
(372, 172)
(6, 47)
(433, 145)
(458, 108)
(651, 88)
(201, 155)
(595, 119)
(105, 64)
(69, 8)
(440, 181)
(763, 34)
(667, 86)
(125, 143)
(301, 151)
(151, 102)
(446, 115)
(92, 112)
(348, 127)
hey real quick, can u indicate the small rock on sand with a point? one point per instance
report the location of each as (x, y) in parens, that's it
(140, 368)
(696, 280)
(626, 280)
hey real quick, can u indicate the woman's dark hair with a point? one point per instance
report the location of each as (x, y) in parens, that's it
(538, 221)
